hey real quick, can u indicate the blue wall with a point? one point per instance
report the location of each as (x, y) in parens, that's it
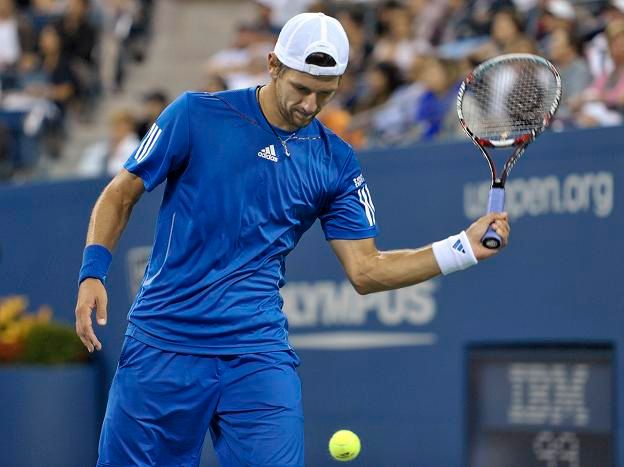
(396, 372)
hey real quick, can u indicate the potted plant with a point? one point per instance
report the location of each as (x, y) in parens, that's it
(49, 390)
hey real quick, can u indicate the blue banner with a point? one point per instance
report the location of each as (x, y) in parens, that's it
(392, 366)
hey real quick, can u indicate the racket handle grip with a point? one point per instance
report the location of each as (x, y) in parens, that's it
(496, 203)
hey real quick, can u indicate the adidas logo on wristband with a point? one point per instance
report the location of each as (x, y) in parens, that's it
(454, 253)
(458, 246)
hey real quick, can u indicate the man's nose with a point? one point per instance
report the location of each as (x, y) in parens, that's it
(309, 103)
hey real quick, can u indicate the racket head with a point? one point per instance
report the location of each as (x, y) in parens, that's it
(509, 100)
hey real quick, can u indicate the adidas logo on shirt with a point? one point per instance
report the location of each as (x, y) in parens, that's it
(459, 247)
(268, 153)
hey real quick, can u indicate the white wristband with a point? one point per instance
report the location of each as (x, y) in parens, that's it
(454, 253)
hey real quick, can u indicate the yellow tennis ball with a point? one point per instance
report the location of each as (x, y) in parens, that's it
(344, 445)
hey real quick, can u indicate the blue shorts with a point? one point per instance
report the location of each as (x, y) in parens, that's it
(162, 403)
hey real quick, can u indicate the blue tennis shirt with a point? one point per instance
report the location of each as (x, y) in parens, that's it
(234, 206)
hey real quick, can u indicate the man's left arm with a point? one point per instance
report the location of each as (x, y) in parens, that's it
(371, 270)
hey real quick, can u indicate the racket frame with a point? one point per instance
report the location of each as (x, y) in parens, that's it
(496, 199)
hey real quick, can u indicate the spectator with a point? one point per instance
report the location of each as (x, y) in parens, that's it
(441, 82)
(9, 36)
(243, 63)
(78, 37)
(154, 103)
(17, 39)
(566, 53)
(427, 17)
(77, 33)
(397, 43)
(360, 46)
(482, 12)
(106, 158)
(506, 36)
(457, 25)
(393, 123)
(557, 15)
(597, 50)
(54, 81)
(603, 102)
(380, 81)
(118, 17)
(140, 31)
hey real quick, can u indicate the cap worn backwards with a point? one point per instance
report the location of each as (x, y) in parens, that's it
(309, 33)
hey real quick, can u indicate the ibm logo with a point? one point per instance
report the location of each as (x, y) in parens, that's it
(551, 394)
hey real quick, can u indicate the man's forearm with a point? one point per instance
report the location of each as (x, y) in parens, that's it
(393, 269)
(371, 270)
(109, 217)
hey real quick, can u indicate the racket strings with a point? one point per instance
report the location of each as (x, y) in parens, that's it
(509, 100)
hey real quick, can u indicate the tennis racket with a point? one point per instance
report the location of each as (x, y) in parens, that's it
(507, 102)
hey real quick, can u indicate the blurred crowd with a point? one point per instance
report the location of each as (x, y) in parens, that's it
(408, 58)
(58, 58)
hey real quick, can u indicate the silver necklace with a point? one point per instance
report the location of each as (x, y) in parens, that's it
(279, 138)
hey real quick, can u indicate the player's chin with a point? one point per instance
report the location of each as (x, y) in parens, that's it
(302, 119)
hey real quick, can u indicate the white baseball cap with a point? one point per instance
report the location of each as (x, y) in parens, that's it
(309, 33)
(561, 9)
(619, 4)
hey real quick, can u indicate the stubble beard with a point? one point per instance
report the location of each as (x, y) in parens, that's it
(289, 116)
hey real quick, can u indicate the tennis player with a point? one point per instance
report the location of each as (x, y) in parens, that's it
(248, 172)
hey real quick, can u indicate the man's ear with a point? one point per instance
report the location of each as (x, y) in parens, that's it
(273, 65)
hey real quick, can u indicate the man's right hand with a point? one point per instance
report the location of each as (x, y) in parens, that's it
(499, 222)
(91, 296)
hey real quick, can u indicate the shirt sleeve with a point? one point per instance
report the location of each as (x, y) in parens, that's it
(350, 213)
(165, 147)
